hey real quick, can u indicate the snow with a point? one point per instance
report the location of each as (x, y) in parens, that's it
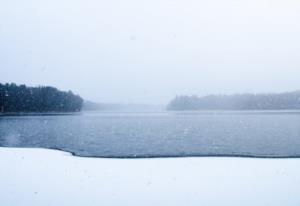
(48, 177)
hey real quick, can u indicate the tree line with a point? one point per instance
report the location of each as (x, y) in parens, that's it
(280, 101)
(14, 98)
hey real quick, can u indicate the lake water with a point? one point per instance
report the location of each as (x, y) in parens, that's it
(158, 134)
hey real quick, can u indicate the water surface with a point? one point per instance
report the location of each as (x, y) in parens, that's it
(158, 134)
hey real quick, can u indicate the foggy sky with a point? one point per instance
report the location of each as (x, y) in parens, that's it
(138, 51)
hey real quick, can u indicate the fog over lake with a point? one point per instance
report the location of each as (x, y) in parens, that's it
(149, 51)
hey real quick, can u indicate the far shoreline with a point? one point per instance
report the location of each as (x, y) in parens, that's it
(179, 112)
(7, 114)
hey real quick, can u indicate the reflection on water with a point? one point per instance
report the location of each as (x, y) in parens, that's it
(263, 134)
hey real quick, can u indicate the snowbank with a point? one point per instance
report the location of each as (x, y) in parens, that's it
(47, 177)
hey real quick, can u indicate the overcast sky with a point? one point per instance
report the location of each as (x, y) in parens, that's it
(138, 51)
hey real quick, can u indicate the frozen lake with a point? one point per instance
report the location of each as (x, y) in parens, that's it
(158, 134)
(32, 177)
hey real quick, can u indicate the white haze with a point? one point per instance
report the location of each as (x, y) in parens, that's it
(138, 51)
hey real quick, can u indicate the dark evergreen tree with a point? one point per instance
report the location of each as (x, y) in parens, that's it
(15, 98)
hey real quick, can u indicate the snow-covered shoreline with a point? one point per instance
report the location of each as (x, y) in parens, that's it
(49, 177)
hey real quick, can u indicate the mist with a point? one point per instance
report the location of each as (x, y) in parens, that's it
(150, 51)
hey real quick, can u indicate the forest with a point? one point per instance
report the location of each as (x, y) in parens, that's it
(20, 98)
(279, 101)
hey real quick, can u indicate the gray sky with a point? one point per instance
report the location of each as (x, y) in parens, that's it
(138, 51)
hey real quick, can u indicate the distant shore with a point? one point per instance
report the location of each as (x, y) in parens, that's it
(270, 101)
(37, 113)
